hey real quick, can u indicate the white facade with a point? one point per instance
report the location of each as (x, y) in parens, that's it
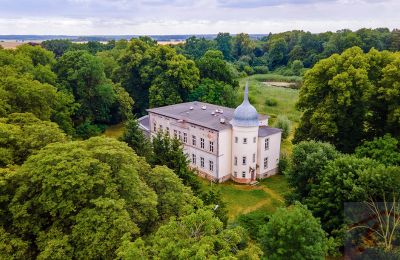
(221, 143)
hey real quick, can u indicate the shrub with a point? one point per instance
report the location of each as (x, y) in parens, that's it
(271, 102)
(285, 124)
(261, 69)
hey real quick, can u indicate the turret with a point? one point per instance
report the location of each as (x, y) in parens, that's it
(245, 124)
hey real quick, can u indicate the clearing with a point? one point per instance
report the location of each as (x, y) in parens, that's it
(267, 196)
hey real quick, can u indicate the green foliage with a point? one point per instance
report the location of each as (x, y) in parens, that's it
(214, 198)
(350, 97)
(306, 165)
(282, 122)
(79, 199)
(155, 75)
(174, 199)
(136, 139)
(349, 178)
(277, 53)
(58, 46)
(24, 134)
(82, 75)
(214, 92)
(293, 233)
(297, 67)
(213, 66)
(198, 235)
(271, 102)
(253, 222)
(169, 152)
(383, 149)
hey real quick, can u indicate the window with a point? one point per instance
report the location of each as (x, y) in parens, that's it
(265, 162)
(236, 139)
(202, 162)
(168, 130)
(193, 140)
(244, 159)
(175, 134)
(155, 127)
(254, 139)
(235, 161)
(254, 157)
(180, 136)
(243, 174)
(193, 158)
(211, 166)
(185, 137)
(211, 146)
(245, 140)
(235, 174)
(266, 144)
(161, 128)
(202, 143)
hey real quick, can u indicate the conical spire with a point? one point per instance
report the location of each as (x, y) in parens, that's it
(246, 93)
(245, 114)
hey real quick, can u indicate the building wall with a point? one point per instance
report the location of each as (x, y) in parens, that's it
(225, 154)
(241, 149)
(179, 129)
(272, 153)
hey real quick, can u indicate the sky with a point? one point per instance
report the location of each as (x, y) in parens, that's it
(150, 17)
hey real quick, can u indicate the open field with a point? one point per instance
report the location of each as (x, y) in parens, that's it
(114, 131)
(8, 44)
(242, 199)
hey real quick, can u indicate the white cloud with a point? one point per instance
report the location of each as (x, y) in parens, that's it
(83, 17)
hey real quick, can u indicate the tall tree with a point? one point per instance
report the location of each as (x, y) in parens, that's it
(293, 233)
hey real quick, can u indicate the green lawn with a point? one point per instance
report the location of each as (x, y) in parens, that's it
(286, 98)
(114, 131)
(242, 199)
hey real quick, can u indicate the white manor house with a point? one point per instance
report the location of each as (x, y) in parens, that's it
(221, 143)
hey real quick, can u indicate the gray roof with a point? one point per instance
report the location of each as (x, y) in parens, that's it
(144, 122)
(266, 131)
(245, 115)
(198, 115)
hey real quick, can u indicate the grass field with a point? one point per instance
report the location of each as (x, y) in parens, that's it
(114, 131)
(242, 199)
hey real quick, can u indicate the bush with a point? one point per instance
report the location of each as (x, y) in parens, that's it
(87, 130)
(261, 69)
(285, 124)
(249, 70)
(283, 163)
(271, 102)
(253, 221)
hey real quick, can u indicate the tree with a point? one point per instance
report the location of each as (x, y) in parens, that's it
(277, 53)
(58, 46)
(213, 66)
(194, 48)
(224, 44)
(198, 235)
(285, 124)
(174, 199)
(306, 165)
(297, 67)
(169, 152)
(383, 149)
(345, 179)
(79, 199)
(242, 45)
(334, 100)
(23, 135)
(136, 139)
(293, 233)
(155, 75)
(214, 92)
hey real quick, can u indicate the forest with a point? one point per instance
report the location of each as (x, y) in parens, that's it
(68, 192)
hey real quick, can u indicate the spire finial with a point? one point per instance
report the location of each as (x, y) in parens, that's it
(246, 92)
